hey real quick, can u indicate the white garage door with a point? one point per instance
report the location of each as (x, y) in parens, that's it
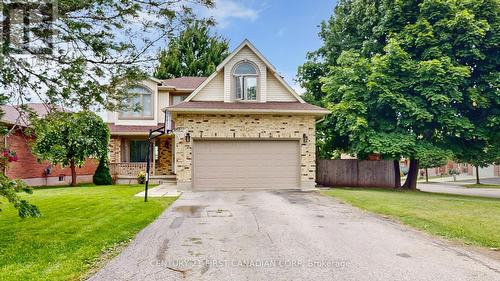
(245, 164)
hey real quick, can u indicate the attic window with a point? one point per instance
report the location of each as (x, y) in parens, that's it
(245, 81)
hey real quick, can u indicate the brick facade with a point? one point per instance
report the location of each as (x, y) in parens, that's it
(28, 168)
(259, 126)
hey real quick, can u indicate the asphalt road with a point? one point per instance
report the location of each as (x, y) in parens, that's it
(267, 235)
(459, 189)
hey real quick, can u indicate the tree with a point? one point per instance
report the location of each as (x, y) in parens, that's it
(81, 53)
(10, 188)
(70, 138)
(431, 157)
(102, 175)
(405, 78)
(479, 154)
(194, 52)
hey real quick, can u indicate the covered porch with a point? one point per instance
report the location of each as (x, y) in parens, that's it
(128, 157)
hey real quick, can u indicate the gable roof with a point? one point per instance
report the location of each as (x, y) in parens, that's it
(270, 67)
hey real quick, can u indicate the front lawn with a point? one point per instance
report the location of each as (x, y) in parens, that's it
(482, 185)
(77, 226)
(472, 220)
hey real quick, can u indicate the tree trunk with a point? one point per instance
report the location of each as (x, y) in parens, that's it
(411, 178)
(73, 172)
(477, 175)
(426, 175)
(397, 174)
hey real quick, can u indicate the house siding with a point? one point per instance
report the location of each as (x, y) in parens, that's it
(234, 127)
(213, 91)
(276, 91)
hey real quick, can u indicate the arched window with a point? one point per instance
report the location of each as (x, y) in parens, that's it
(245, 81)
(139, 102)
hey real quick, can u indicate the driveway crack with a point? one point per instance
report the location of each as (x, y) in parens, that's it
(256, 221)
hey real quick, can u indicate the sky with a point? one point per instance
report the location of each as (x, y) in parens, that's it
(283, 31)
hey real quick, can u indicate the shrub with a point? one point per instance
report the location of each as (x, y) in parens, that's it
(102, 175)
(141, 177)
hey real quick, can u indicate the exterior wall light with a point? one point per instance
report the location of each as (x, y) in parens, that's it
(305, 138)
(188, 137)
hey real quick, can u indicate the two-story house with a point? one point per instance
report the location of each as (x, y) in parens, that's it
(243, 127)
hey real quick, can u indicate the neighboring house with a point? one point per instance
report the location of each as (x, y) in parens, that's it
(27, 167)
(463, 168)
(242, 127)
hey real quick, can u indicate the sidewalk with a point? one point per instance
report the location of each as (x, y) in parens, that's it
(163, 190)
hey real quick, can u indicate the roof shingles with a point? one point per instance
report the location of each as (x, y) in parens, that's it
(186, 82)
(248, 106)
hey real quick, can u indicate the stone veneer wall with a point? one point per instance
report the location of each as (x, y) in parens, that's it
(114, 150)
(164, 164)
(230, 126)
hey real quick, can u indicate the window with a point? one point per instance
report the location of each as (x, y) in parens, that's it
(178, 99)
(245, 81)
(140, 101)
(138, 150)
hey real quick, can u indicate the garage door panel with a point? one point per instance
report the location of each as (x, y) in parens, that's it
(245, 164)
(268, 162)
(246, 172)
(234, 184)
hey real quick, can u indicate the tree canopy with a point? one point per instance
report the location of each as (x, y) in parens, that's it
(194, 52)
(81, 53)
(409, 78)
(70, 138)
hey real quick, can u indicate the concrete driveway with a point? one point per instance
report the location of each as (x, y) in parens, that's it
(266, 235)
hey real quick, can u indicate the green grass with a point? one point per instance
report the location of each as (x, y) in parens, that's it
(482, 185)
(77, 226)
(468, 219)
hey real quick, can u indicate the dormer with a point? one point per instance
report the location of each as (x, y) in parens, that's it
(245, 76)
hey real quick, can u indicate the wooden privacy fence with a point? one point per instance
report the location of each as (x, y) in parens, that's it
(353, 172)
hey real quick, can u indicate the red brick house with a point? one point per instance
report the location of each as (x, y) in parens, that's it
(27, 167)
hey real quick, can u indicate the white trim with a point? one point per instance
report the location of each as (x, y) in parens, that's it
(268, 64)
(155, 80)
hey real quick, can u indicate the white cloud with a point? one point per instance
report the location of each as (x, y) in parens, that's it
(225, 10)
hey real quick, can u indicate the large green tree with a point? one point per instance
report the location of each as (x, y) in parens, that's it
(70, 138)
(194, 52)
(408, 78)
